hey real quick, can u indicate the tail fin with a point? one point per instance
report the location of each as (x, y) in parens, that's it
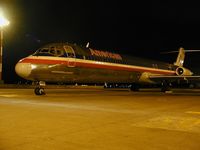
(180, 59)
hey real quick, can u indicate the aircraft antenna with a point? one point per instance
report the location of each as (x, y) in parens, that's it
(88, 44)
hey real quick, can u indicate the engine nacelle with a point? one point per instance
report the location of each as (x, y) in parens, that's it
(181, 71)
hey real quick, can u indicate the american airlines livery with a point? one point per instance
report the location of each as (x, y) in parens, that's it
(70, 63)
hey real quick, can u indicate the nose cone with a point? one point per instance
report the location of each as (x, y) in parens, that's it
(23, 69)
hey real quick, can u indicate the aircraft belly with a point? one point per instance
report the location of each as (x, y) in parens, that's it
(93, 75)
(62, 73)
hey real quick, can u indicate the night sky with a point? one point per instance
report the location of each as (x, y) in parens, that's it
(141, 28)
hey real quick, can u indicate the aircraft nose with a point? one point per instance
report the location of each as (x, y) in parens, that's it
(23, 69)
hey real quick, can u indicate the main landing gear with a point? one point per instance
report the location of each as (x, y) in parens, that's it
(39, 90)
(135, 87)
(165, 87)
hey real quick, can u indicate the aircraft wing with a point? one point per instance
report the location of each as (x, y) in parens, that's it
(158, 78)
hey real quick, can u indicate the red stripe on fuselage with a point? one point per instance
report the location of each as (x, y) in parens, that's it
(43, 61)
(98, 65)
(123, 68)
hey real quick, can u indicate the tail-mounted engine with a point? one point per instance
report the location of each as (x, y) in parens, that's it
(181, 71)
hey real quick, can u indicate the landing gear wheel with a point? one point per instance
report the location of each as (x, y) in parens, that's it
(165, 87)
(39, 91)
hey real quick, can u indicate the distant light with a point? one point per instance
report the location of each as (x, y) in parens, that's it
(3, 20)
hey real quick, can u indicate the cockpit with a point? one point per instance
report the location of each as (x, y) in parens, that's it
(56, 51)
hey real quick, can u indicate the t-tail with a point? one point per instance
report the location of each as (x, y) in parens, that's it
(180, 59)
(181, 71)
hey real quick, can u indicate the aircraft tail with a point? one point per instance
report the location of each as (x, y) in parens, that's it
(181, 57)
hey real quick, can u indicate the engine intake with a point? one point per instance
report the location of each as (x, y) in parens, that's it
(181, 71)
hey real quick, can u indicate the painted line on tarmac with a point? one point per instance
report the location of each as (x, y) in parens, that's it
(193, 112)
(9, 95)
(173, 123)
(70, 106)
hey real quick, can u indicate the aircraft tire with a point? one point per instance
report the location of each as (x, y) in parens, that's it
(165, 88)
(39, 91)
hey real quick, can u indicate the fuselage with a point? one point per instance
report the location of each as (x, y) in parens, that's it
(69, 63)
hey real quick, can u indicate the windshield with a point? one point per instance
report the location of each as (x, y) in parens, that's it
(50, 51)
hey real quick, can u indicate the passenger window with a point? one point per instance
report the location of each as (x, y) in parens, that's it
(59, 52)
(170, 67)
(155, 65)
(44, 50)
(53, 52)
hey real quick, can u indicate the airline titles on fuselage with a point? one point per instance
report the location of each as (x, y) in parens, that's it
(106, 54)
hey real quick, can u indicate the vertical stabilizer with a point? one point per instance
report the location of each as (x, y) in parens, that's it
(180, 59)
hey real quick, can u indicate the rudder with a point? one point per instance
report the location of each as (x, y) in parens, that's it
(180, 58)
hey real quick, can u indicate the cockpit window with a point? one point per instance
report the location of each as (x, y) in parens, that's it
(44, 50)
(51, 51)
(60, 52)
(70, 51)
(56, 51)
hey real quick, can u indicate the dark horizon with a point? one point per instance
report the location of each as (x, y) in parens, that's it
(140, 29)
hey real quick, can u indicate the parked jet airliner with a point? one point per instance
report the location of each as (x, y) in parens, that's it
(70, 63)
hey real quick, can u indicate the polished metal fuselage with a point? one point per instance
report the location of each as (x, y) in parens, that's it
(74, 70)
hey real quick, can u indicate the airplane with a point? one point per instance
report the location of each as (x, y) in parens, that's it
(70, 63)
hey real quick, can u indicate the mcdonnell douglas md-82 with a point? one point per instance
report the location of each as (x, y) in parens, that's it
(70, 63)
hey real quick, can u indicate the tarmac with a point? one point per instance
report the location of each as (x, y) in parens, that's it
(96, 118)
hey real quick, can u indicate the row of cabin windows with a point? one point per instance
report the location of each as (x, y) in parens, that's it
(104, 59)
(69, 52)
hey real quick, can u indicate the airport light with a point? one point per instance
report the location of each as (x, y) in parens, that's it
(3, 22)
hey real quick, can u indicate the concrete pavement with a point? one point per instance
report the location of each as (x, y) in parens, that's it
(85, 119)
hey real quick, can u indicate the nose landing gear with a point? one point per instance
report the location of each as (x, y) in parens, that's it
(39, 90)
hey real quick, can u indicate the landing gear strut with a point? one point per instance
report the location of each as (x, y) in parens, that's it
(39, 90)
(165, 86)
(135, 87)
